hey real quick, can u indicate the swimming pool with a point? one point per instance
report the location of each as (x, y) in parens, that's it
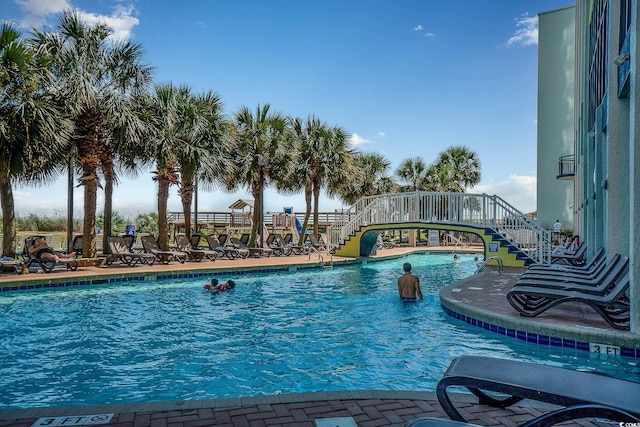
(310, 330)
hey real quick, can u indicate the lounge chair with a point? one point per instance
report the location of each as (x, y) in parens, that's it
(576, 412)
(14, 265)
(316, 244)
(295, 248)
(47, 266)
(165, 257)
(596, 259)
(129, 241)
(253, 251)
(223, 251)
(574, 258)
(184, 244)
(120, 252)
(579, 394)
(598, 284)
(277, 245)
(195, 241)
(612, 305)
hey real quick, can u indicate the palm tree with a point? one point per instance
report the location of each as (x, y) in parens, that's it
(165, 134)
(262, 154)
(412, 173)
(202, 154)
(369, 177)
(32, 127)
(307, 136)
(96, 74)
(456, 169)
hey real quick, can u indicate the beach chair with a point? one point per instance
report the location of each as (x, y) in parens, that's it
(315, 243)
(597, 261)
(165, 257)
(46, 266)
(603, 279)
(195, 241)
(575, 392)
(612, 305)
(129, 241)
(295, 248)
(253, 251)
(183, 244)
(223, 251)
(120, 252)
(277, 245)
(574, 258)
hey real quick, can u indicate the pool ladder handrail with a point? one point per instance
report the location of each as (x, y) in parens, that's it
(320, 257)
(488, 260)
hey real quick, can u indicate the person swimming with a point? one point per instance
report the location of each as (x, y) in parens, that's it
(216, 286)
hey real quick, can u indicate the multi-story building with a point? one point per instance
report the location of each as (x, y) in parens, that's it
(556, 80)
(606, 149)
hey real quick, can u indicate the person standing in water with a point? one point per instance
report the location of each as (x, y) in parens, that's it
(408, 285)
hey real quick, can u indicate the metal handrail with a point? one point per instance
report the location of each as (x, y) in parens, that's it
(479, 210)
(487, 261)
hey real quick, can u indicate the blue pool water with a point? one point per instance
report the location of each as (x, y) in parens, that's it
(312, 330)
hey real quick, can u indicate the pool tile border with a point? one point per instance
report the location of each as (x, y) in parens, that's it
(532, 337)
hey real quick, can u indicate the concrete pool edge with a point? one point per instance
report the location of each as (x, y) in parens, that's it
(535, 331)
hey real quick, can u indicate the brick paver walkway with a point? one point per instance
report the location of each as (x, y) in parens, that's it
(367, 408)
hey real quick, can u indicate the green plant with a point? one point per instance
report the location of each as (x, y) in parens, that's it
(147, 223)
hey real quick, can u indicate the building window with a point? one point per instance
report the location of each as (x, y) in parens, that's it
(598, 47)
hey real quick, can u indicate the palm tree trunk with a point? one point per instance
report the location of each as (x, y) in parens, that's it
(186, 196)
(107, 169)
(8, 217)
(163, 226)
(316, 203)
(256, 190)
(307, 212)
(89, 226)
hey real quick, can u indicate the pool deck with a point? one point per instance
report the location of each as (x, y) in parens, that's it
(478, 301)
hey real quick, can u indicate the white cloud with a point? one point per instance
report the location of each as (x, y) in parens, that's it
(42, 8)
(519, 191)
(417, 28)
(526, 31)
(381, 134)
(357, 140)
(427, 34)
(121, 21)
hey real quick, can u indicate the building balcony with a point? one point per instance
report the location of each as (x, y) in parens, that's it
(567, 167)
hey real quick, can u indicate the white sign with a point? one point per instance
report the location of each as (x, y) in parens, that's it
(74, 420)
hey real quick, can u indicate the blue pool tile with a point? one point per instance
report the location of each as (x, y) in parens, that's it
(556, 341)
(568, 343)
(629, 352)
(533, 338)
(511, 333)
(582, 346)
(543, 339)
(521, 335)
(501, 330)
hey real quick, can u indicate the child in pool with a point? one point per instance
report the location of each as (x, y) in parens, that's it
(215, 286)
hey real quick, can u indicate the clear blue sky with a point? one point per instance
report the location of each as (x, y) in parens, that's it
(404, 78)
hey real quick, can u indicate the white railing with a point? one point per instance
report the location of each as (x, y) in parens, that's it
(479, 210)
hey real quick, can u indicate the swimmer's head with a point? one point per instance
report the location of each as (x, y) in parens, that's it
(406, 266)
(230, 284)
(214, 282)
